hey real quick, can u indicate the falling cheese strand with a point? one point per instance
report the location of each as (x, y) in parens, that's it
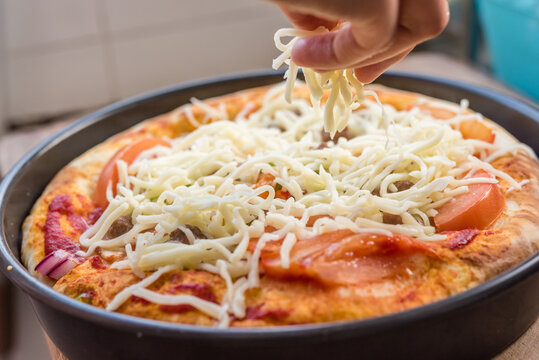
(341, 101)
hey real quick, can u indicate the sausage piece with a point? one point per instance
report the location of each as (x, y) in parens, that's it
(119, 227)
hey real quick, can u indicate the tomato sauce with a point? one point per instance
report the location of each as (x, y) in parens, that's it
(460, 239)
(257, 312)
(55, 237)
(203, 291)
(97, 263)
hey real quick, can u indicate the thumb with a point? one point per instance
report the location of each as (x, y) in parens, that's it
(348, 45)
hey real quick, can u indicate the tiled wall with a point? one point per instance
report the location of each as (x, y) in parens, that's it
(63, 55)
(2, 72)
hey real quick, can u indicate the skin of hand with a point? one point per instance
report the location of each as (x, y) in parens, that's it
(368, 35)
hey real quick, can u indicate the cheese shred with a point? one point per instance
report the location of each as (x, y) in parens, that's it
(345, 90)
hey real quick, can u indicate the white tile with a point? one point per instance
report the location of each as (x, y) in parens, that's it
(130, 14)
(3, 90)
(53, 83)
(148, 63)
(42, 22)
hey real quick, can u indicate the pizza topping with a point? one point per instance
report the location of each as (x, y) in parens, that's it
(474, 129)
(241, 180)
(326, 137)
(86, 297)
(187, 234)
(56, 264)
(128, 154)
(345, 258)
(475, 209)
(259, 312)
(56, 238)
(97, 262)
(119, 227)
(202, 291)
(459, 239)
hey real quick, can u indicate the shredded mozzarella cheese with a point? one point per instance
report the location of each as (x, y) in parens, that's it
(341, 101)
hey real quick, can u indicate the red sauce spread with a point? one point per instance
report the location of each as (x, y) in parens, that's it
(257, 312)
(459, 239)
(97, 263)
(62, 205)
(139, 300)
(203, 291)
(94, 215)
(55, 237)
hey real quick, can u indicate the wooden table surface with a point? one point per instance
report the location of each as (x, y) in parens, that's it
(14, 145)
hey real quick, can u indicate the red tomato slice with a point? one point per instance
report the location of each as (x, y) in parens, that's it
(269, 179)
(476, 209)
(109, 174)
(399, 100)
(345, 258)
(474, 129)
(436, 112)
(471, 129)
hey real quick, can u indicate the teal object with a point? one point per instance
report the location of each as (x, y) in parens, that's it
(511, 29)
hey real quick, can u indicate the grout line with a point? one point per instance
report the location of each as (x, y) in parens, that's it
(4, 83)
(54, 46)
(109, 56)
(248, 12)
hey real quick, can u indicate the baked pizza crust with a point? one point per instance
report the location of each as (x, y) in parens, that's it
(515, 237)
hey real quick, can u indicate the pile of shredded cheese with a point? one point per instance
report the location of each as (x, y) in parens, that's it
(207, 179)
(345, 90)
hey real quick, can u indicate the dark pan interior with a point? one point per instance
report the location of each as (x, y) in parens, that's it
(489, 317)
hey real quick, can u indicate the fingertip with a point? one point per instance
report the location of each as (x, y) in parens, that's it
(298, 51)
(302, 53)
(367, 76)
(315, 51)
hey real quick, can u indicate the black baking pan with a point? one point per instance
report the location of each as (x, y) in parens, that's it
(478, 323)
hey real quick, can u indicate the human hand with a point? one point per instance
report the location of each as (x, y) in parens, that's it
(371, 35)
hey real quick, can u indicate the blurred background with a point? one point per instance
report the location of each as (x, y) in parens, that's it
(60, 59)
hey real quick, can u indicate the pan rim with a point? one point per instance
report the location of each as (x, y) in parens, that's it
(45, 294)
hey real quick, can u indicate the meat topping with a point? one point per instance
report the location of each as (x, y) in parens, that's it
(391, 219)
(339, 134)
(402, 185)
(122, 225)
(179, 236)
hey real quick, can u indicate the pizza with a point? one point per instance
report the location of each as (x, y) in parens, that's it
(242, 211)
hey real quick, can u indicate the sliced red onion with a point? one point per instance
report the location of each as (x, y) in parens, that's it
(62, 268)
(56, 264)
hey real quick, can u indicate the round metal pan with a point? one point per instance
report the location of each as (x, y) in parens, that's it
(478, 323)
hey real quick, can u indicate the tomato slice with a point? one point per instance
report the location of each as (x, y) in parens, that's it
(476, 209)
(470, 129)
(435, 112)
(345, 258)
(474, 129)
(109, 174)
(269, 179)
(399, 100)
